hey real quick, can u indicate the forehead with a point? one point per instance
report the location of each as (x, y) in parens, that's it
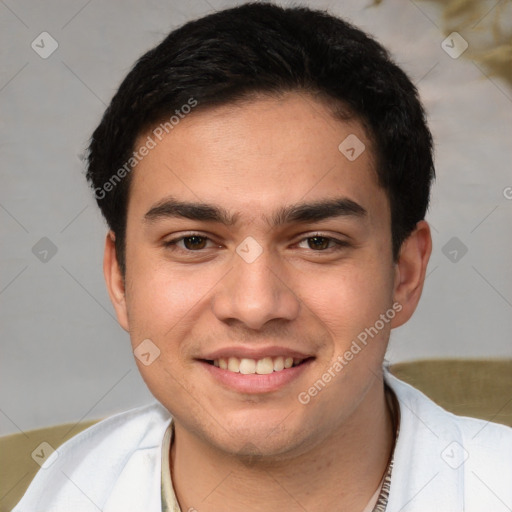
(252, 158)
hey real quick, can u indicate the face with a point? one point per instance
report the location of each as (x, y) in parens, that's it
(250, 235)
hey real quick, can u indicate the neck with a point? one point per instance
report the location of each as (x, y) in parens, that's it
(340, 473)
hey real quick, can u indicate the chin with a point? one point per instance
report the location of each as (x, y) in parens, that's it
(262, 436)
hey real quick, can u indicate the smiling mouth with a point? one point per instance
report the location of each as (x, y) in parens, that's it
(263, 366)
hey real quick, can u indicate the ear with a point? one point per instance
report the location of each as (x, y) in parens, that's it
(114, 280)
(410, 272)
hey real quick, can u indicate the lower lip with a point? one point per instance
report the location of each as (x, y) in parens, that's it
(254, 383)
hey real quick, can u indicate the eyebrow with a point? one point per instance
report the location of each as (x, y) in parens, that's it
(315, 211)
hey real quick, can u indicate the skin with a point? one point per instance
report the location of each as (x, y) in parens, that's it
(266, 451)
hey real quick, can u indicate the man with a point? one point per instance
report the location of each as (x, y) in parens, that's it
(265, 174)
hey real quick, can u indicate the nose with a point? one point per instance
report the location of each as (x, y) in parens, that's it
(255, 293)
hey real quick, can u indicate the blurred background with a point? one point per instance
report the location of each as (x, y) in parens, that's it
(64, 358)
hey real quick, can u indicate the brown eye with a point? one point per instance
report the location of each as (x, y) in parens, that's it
(194, 242)
(318, 242)
(189, 243)
(322, 243)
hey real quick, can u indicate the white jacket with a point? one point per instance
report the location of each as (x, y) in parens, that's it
(443, 463)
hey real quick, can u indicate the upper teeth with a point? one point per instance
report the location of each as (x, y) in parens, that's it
(260, 366)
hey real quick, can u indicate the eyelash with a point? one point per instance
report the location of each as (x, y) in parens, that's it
(339, 244)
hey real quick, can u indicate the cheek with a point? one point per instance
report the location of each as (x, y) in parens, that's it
(162, 300)
(164, 305)
(348, 299)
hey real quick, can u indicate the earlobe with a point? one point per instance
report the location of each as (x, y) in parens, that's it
(410, 271)
(115, 281)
